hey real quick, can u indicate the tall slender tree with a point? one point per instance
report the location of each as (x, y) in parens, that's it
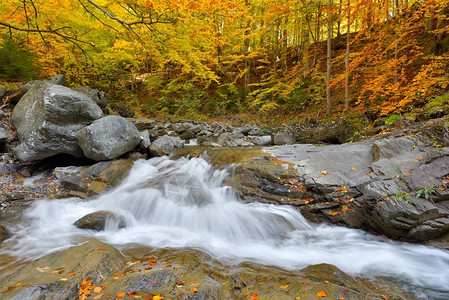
(329, 58)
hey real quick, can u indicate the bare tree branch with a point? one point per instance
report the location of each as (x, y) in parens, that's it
(128, 25)
(72, 39)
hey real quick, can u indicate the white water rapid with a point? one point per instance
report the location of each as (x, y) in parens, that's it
(183, 203)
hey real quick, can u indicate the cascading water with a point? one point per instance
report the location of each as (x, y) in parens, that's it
(182, 203)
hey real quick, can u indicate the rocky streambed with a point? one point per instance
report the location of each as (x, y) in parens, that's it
(234, 213)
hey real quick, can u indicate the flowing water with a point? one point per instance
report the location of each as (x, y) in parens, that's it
(183, 203)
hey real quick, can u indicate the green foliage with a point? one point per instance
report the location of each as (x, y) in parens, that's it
(425, 192)
(16, 61)
(400, 196)
(437, 103)
(228, 98)
(392, 118)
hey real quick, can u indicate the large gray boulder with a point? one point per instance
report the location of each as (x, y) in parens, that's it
(108, 138)
(47, 119)
(57, 79)
(378, 183)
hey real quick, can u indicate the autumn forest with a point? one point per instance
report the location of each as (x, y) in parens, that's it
(255, 58)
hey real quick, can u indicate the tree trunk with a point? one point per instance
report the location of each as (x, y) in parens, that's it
(329, 56)
(347, 58)
(247, 46)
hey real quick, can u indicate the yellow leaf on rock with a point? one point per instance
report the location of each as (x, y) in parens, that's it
(354, 168)
(120, 294)
(321, 294)
(97, 289)
(158, 297)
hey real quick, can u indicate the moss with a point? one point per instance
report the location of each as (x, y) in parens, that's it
(437, 103)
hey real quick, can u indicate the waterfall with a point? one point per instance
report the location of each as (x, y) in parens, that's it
(183, 203)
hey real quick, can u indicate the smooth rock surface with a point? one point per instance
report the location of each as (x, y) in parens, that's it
(374, 183)
(4, 233)
(284, 137)
(92, 180)
(97, 220)
(165, 145)
(108, 138)
(94, 261)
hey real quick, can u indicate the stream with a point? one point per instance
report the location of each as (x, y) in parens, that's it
(183, 203)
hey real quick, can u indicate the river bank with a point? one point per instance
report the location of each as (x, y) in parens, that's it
(251, 207)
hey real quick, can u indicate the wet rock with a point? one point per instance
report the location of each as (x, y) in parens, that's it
(246, 129)
(4, 233)
(123, 110)
(374, 183)
(437, 133)
(97, 220)
(260, 131)
(108, 138)
(4, 136)
(95, 95)
(92, 180)
(284, 137)
(187, 135)
(263, 140)
(232, 140)
(94, 260)
(207, 140)
(47, 119)
(57, 80)
(165, 145)
(143, 123)
(419, 222)
(145, 141)
(180, 128)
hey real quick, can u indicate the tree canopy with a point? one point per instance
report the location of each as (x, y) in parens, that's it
(184, 56)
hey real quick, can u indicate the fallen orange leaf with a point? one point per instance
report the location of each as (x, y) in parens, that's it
(284, 286)
(10, 288)
(321, 294)
(70, 274)
(254, 297)
(193, 290)
(158, 297)
(120, 294)
(97, 289)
